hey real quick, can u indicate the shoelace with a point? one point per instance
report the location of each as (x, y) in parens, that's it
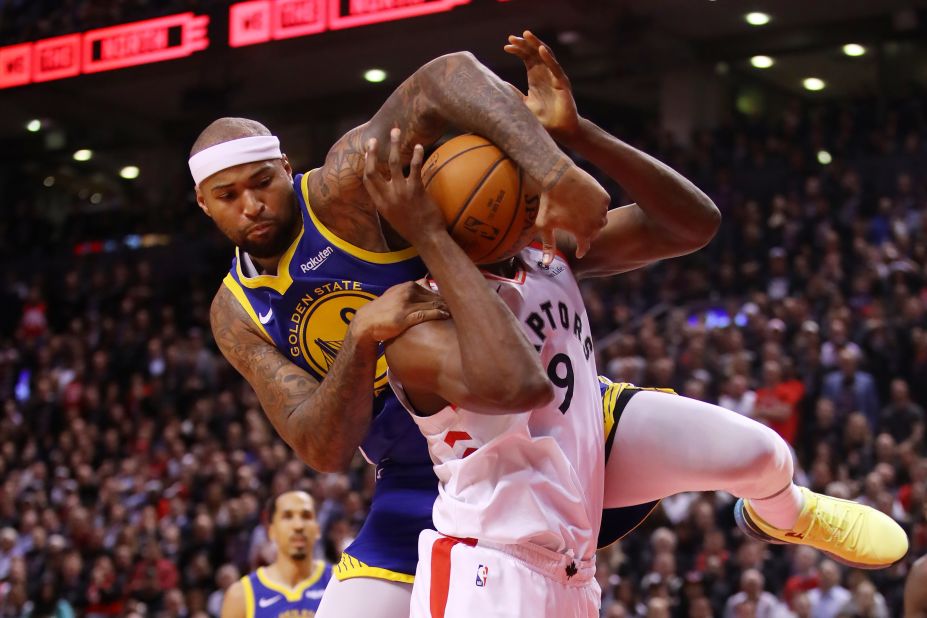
(837, 522)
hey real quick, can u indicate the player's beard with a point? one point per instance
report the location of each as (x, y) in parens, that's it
(284, 231)
(299, 554)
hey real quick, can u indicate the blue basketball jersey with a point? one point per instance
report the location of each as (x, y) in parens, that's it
(306, 307)
(267, 599)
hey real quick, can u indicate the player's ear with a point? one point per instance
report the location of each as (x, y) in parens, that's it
(201, 202)
(287, 167)
(271, 533)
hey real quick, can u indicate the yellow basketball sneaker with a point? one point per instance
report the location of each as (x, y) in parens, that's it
(854, 534)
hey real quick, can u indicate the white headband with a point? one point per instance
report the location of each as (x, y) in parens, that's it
(222, 156)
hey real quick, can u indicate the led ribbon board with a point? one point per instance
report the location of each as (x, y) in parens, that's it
(104, 49)
(260, 21)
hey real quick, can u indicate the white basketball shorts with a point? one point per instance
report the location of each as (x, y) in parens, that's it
(465, 578)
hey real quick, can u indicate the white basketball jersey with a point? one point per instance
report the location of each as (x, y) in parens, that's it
(537, 476)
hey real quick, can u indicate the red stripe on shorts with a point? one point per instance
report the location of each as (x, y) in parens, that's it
(440, 575)
(441, 572)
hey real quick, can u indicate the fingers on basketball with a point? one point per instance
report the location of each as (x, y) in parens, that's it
(395, 167)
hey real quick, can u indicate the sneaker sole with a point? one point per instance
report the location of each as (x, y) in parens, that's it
(749, 528)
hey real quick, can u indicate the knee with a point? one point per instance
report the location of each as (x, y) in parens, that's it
(767, 456)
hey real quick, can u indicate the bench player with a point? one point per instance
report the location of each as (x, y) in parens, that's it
(294, 583)
(300, 314)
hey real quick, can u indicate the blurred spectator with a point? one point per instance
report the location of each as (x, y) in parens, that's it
(851, 389)
(829, 598)
(761, 603)
(866, 602)
(902, 418)
(777, 402)
(48, 602)
(737, 396)
(226, 576)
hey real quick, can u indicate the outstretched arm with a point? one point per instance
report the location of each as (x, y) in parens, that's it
(325, 422)
(480, 360)
(670, 216)
(457, 90)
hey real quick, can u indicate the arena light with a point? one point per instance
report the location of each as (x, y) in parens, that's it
(824, 157)
(762, 62)
(813, 84)
(49, 181)
(83, 154)
(34, 125)
(756, 18)
(129, 172)
(854, 49)
(375, 76)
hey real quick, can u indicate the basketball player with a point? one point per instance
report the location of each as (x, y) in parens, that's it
(660, 444)
(294, 583)
(299, 315)
(520, 464)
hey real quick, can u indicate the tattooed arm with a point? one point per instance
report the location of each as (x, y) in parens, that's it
(323, 422)
(455, 90)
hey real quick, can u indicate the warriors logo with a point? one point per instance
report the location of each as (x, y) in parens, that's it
(321, 324)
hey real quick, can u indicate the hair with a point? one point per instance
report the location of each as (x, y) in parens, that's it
(270, 507)
(225, 130)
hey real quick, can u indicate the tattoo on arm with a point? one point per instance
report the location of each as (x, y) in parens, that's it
(323, 422)
(453, 90)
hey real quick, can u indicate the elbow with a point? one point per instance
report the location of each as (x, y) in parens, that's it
(436, 74)
(322, 458)
(452, 62)
(701, 229)
(537, 393)
(710, 223)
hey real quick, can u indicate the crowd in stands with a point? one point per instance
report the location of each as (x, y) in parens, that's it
(134, 461)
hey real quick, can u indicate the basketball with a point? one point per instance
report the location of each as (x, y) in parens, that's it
(483, 194)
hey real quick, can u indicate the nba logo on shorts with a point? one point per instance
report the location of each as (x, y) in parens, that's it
(481, 573)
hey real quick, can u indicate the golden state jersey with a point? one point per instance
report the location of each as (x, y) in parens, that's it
(534, 477)
(305, 310)
(268, 599)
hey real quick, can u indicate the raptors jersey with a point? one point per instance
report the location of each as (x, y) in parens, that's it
(534, 477)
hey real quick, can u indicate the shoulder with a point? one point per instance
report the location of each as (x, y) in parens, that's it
(226, 314)
(340, 178)
(233, 329)
(224, 304)
(234, 602)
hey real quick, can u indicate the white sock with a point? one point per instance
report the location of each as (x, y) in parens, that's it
(780, 510)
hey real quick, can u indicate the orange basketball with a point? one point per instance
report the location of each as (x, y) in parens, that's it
(483, 195)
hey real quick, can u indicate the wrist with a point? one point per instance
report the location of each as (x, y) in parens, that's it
(361, 331)
(573, 136)
(431, 240)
